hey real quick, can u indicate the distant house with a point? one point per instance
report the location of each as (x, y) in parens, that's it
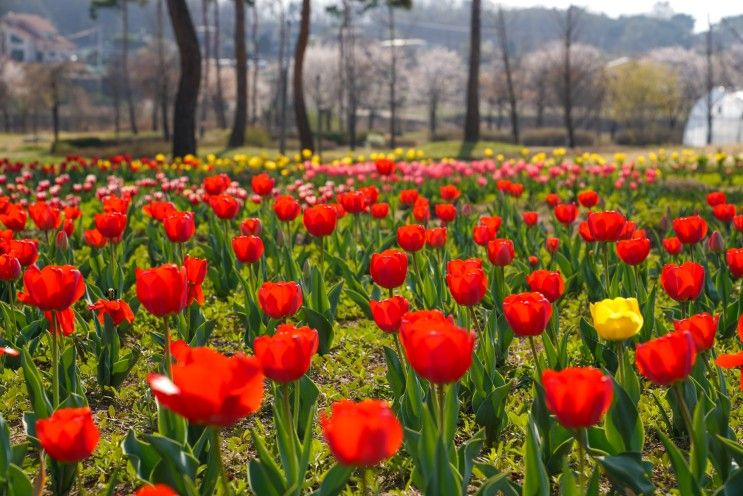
(31, 38)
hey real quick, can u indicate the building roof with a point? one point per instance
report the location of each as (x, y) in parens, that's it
(39, 28)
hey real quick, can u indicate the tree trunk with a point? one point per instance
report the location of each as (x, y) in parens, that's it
(55, 112)
(283, 82)
(254, 85)
(237, 137)
(184, 116)
(710, 87)
(207, 61)
(432, 107)
(472, 118)
(300, 109)
(163, 90)
(219, 97)
(541, 97)
(503, 38)
(125, 66)
(393, 78)
(568, 79)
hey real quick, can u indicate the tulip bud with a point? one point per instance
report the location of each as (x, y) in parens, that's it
(715, 244)
(552, 244)
(533, 261)
(62, 242)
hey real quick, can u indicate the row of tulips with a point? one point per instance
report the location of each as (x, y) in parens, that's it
(451, 329)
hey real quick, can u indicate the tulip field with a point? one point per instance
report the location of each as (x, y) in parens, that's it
(532, 325)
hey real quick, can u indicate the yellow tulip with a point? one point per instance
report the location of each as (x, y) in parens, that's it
(616, 319)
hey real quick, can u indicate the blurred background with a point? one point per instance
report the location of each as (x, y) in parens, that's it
(105, 76)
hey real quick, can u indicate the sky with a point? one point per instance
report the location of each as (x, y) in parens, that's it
(699, 9)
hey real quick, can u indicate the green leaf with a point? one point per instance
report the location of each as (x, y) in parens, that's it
(698, 454)
(687, 484)
(536, 481)
(335, 480)
(627, 470)
(323, 327)
(39, 401)
(568, 486)
(624, 428)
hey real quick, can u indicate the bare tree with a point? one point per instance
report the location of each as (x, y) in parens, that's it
(709, 79)
(472, 119)
(207, 61)
(568, 28)
(506, 58)
(435, 80)
(219, 106)
(163, 82)
(300, 109)
(256, 64)
(237, 137)
(186, 100)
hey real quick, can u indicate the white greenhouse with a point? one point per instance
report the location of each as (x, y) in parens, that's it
(727, 119)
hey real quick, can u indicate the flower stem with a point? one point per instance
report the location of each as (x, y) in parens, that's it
(581, 461)
(55, 362)
(167, 358)
(222, 469)
(291, 426)
(536, 357)
(679, 392)
(365, 482)
(473, 318)
(441, 393)
(606, 267)
(11, 298)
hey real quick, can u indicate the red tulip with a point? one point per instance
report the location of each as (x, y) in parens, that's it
(737, 222)
(379, 210)
(320, 220)
(286, 356)
(527, 313)
(436, 348)
(449, 192)
(552, 244)
(217, 184)
(14, 218)
(530, 218)
(606, 226)
(94, 238)
(45, 216)
(26, 250)
(10, 268)
(533, 261)
(389, 268)
(411, 238)
(54, 288)
(550, 284)
(552, 199)
(421, 210)
(384, 166)
(585, 232)
(725, 212)
(588, 199)
(252, 226)
(179, 226)
(715, 244)
(69, 435)
(286, 208)
(113, 203)
(196, 273)
(436, 237)
(493, 223)
(118, 310)
(353, 202)
(163, 290)
(577, 396)
(361, 434)
(732, 361)
(280, 300)
(481, 235)
(466, 280)
(72, 212)
(702, 327)
(672, 245)
(501, 252)
(155, 490)
(716, 198)
(408, 197)
(208, 387)
(633, 251)
(262, 184)
(666, 359)
(734, 258)
(224, 206)
(111, 225)
(248, 249)
(690, 230)
(388, 313)
(158, 210)
(445, 212)
(683, 282)
(565, 213)
(515, 190)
